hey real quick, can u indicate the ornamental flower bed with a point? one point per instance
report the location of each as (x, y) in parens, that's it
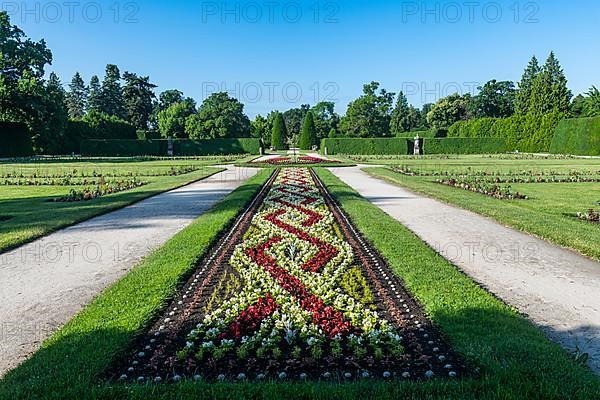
(488, 189)
(291, 292)
(298, 160)
(102, 189)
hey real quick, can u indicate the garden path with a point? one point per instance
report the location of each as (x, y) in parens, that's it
(556, 288)
(46, 282)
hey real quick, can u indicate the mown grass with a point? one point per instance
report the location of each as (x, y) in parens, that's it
(28, 214)
(513, 358)
(550, 213)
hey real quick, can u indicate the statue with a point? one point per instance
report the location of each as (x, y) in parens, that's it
(417, 146)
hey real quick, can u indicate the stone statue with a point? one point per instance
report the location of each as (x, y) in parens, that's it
(417, 146)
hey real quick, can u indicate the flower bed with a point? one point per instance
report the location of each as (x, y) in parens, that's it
(291, 292)
(302, 160)
(488, 189)
(591, 216)
(103, 188)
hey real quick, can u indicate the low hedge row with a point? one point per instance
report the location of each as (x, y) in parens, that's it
(579, 136)
(181, 147)
(15, 140)
(525, 133)
(349, 146)
(432, 133)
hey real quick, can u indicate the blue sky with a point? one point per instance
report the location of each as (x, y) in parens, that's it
(280, 54)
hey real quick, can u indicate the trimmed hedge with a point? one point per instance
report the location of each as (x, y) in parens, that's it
(181, 147)
(209, 147)
(464, 146)
(579, 136)
(148, 135)
(366, 146)
(525, 133)
(432, 133)
(15, 140)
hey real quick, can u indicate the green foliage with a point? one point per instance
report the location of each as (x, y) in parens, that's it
(147, 135)
(586, 106)
(293, 120)
(49, 128)
(449, 110)
(111, 94)
(94, 99)
(580, 136)
(279, 133)
(432, 133)
(404, 117)
(325, 118)
(526, 133)
(495, 100)
(543, 90)
(15, 139)
(308, 136)
(261, 128)
(22, 63)
(464, 146)
(219, 116)
(137, 97)
(370, 114)
(182, 147)
(365, 146)
(172, 121)
(77, 97)
(103, 126)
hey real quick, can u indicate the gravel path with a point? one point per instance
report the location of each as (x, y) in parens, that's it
(556, 288)
(46, 282)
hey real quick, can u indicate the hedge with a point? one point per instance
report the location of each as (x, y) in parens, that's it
(206, 147)
(432, 133)
(364, 146)
(579, 136)
(15, 140)
(148, 135)
(181, 147)
(464, 146)
(526, 133)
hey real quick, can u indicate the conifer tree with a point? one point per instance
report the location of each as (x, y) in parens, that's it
(308, 135)
(94, 100)
(401, 116)
(523, 98)
(279, 133)
(112, 93)
(77, 97)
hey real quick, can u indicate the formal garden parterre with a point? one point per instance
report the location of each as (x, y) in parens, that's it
(301, 296)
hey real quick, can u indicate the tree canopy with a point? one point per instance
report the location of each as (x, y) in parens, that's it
(219, 116)
(369, 115)
(137, 97)
(308, 136)
(279, 133)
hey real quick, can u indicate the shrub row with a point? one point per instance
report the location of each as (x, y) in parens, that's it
(579, 136)
(181, 147)
(526, 133)
(403, 146)
(15, 140)
(432, 133)
(364, 146)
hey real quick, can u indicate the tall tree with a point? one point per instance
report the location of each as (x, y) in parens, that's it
(523, 96)
(449, 110)
(592, 103)
(549, 91)
(294, 118)
(495, 100)
(308, 136)
(220, 116)
(77, 97)
(404, 117)
(370, 114)
(261, 128)
(22, 63)
(112, 93)
(94, 100)
(137, 97)
(172, 121)
(48, 137)
(279, 133)
(325, 118)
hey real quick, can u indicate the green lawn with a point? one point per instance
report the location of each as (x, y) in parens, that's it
(549, 213)
(513, 358)
(26, 212)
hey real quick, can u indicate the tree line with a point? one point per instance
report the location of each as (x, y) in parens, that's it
(47, 108)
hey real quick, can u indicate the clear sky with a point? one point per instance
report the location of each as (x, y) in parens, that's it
(280, 54)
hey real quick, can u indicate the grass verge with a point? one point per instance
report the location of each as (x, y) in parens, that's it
(548, 214)
(33, 216)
